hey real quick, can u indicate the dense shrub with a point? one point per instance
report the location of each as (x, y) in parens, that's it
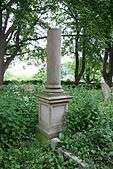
(34, 156)
(88, 131)
(19, 148)
(17, 115)
(83, 115)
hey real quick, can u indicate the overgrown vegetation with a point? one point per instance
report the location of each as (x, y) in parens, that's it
(88, 130)
(19, 147)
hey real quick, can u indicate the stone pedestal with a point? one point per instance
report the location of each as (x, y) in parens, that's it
(53, 102)
(51, 114)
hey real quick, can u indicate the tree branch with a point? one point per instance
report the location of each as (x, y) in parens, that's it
(10, 31)
(6, 21)
(9, 38)
(32, 39)
(41, 23)
(69, 9)
(17, 47)
(8, 5)
(9, 59)
(0, 21)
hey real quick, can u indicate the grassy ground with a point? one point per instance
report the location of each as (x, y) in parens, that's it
(88, 130)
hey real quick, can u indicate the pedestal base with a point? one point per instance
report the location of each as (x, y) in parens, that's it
(51, 114)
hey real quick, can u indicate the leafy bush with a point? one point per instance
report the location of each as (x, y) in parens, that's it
(34, 156)
(83, 112)
(41, 75)
(88, 131)
(17, 116)
(19, 149)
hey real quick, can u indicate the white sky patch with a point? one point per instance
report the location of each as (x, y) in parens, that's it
(22, 69)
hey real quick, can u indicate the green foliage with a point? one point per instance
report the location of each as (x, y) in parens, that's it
(19, 148)
(88, 128)
(17, 115)
(84, 113)
(34, 156)
(80, 22)
(41, 75)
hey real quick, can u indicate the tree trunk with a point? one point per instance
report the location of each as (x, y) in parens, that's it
(87, 76)
(83, 63)
(108, 65)
(82, 70)
(5, 37)
(78, 74)
(1, 77)
(4, 62)
(76, 58)
(105, 71)
(2, 54)
(2, 70)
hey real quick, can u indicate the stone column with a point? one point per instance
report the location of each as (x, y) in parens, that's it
(53, 61)
(53, 102)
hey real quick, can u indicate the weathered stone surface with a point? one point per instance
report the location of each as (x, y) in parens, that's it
(54, 143)
(53, 102)
(51, 115)
(54, 60)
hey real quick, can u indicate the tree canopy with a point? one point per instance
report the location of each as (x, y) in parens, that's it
(19, 22)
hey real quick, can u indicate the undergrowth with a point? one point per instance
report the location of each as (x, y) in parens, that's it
(87, 133)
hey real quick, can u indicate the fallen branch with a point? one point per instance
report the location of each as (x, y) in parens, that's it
(56, 146)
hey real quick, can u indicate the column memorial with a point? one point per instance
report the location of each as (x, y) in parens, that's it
(53, 102)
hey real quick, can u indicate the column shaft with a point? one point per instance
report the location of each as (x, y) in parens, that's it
(53, 59)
